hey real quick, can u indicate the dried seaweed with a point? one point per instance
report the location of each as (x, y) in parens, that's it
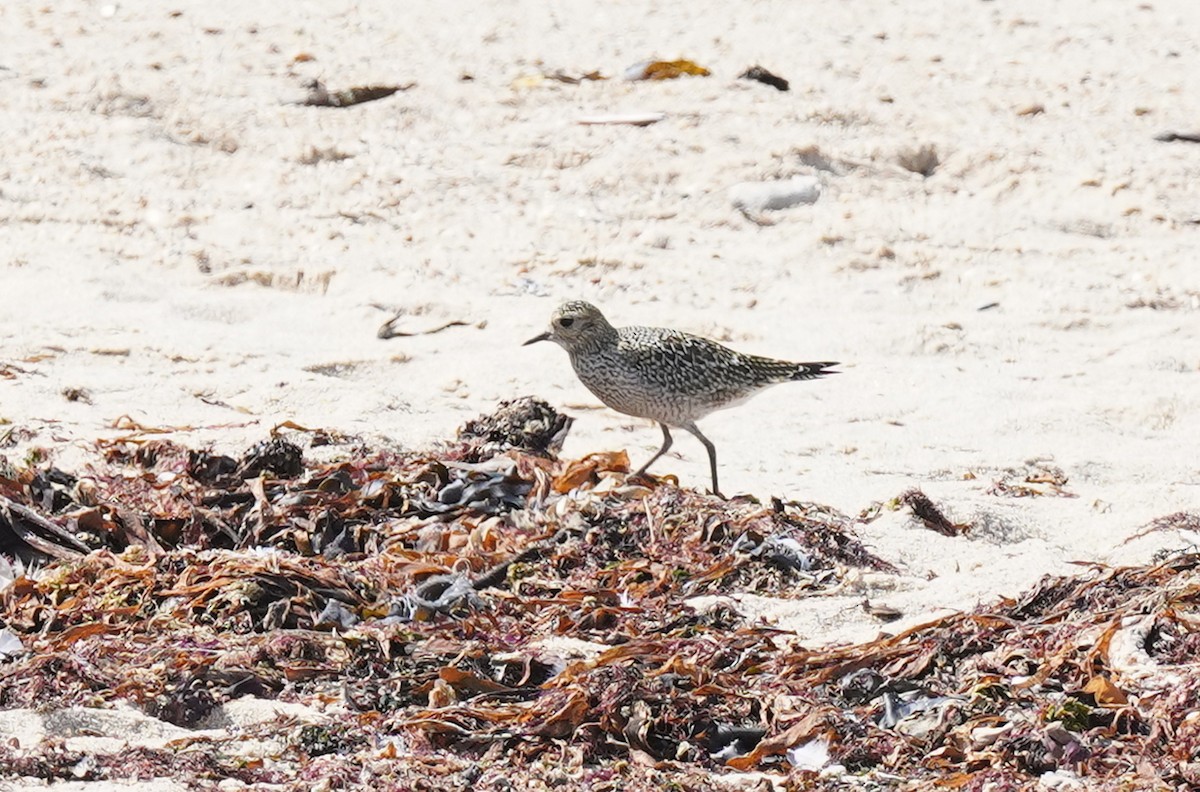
(478, 609)
(527, 424)
(26, 535)
(1171, 137)
(759, 74)
(1176, 521)
(388, 329)
(930, 515)
(1035, 480)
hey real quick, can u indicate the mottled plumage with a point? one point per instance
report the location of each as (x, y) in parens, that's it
(667, 376)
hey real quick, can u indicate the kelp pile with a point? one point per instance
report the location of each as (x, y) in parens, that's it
(486, 615)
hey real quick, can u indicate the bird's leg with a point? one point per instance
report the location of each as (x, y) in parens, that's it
(665, 447)
(712, 454)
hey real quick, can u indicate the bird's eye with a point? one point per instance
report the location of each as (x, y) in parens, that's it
(566, 321)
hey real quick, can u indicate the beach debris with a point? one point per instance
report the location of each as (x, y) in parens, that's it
(573, 78)
(812, 726)
(28, 536)
(1181, 137)
(811, 755)
(1038, 478)
(781, 551)
(440, 594)
(528, 424)
(430, 605)
(320, 96)
(665, 70)
(590, 469)
(898, 707)
(884, 613)
(759, 74)
(388, 329)
(528, 81)
(727, 741)
(335, 615)
(1165, 300)
(929, 514)
(82, 395)
(1176, 521)
(277, 456)
(768, 196)
(10, 644)
(622, 119)
(482, 490)
(12, 568)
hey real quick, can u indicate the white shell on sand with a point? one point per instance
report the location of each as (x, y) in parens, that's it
(632, 119)
(772, 195)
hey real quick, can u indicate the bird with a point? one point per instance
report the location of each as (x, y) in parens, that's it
(671, 377)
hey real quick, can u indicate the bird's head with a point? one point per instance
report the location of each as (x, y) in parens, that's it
(575, 325)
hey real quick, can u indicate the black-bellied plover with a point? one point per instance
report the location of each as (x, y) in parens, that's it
(667, 376)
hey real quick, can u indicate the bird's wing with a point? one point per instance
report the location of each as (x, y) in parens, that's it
(686, 363)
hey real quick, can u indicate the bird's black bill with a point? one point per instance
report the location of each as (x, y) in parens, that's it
(543, 337)
(807, 371)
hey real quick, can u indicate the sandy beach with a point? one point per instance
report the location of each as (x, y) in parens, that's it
(185, 244)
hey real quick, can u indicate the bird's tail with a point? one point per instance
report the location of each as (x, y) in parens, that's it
(807, 371)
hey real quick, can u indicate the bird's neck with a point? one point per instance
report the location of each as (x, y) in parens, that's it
(600, 339)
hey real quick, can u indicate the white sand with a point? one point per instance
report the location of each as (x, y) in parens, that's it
(153, 176)
(90, 731)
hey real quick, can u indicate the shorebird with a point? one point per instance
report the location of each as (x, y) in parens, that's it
(668, 376)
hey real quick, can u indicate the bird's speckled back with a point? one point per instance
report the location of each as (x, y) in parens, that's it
(671, 376)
